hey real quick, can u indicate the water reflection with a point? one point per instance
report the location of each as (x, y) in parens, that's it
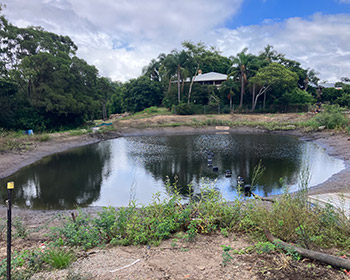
(115, 171)
(185, 157)
(64, 180)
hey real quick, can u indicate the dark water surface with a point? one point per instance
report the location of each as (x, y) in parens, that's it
(114, 171)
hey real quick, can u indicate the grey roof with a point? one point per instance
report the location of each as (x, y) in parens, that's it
(211, 76)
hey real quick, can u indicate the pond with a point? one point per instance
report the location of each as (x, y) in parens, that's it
(113, 172)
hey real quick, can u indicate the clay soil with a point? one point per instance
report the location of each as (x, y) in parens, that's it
(174, 258)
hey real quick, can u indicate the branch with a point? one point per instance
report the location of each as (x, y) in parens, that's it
(310, 254)
(263, 198)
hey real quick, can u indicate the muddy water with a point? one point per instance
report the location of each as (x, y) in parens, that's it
(115, 171)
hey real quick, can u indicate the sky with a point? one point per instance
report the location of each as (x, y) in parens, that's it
(119, 37)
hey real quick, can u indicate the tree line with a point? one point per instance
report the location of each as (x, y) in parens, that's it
(265, 82)
(44, 85)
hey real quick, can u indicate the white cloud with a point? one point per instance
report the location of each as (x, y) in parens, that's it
(345, 1)
(120, 37)
(321, 42)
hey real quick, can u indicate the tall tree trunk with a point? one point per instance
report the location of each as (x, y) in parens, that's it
(242, 91)
(182, 85)
(306, 84)
(253, 96)
(169, 86)
(178, 85)
(104, 111)
(191, 84)
(231, 100)
(264, 103)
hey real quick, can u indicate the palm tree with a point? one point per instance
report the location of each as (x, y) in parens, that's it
(152, 70)
(270, 55)
(228, 88)
(175, 64)
(239, 68)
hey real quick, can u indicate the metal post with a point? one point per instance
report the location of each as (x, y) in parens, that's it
(10, 187)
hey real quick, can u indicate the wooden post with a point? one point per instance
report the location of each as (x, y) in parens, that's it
(10, 187)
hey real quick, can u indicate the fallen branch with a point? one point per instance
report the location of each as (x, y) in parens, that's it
(125, 266)
(263, 198)
(310, 254)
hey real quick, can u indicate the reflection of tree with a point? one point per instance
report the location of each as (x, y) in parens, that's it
(186, 157)
(63, 180)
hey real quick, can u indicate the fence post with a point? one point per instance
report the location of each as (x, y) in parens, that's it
(10, 187)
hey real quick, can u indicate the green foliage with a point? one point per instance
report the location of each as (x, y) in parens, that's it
(21, 230)
(343, 100)
(80, 232)
(296, 96)
(58, 258)
(184, 109)
(149, 224)
(3, 226)
(264, 247)
(331, 94)
(141, 93)
(23, 264)
(331, 117)
(44, 86)
(257, 173)
(226, 257)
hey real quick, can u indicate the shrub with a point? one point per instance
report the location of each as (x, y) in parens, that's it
(332, 117)
(184, 109)
(80, 232)
(58, 258)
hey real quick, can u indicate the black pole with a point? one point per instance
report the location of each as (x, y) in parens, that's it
(9, 224)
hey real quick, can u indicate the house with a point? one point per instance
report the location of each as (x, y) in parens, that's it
(211, 78)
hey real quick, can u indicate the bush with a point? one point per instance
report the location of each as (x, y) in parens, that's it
(184, 109)
(332, 117)
(80, 232)
(296, 96)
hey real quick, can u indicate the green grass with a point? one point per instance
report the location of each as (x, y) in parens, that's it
(148, 112)
(58, 258)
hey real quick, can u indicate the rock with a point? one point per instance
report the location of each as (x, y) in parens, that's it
(322, 127)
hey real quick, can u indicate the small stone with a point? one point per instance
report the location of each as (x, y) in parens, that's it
(202, 268)
(322, 127)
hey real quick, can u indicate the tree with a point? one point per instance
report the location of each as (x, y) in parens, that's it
(105, 90)
(239, 68)
(8, 104)
(270, 55)
(152, 70)
(141, 93)
(228, 89)
(206, 59)
(273, 75)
